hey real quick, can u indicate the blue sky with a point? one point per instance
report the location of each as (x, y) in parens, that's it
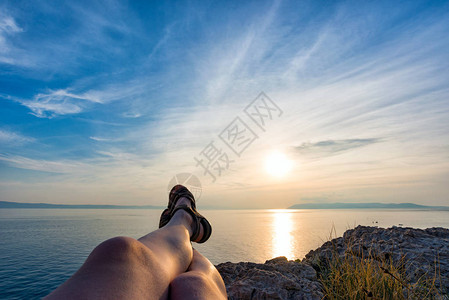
(105, 101)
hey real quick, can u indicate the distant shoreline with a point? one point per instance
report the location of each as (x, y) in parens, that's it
(371, 205)
(408, 206)
(7, 204)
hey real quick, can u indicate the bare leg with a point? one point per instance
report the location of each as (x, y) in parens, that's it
(201, 281)
(125, 268)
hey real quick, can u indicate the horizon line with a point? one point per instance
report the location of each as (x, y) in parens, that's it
(312, 205)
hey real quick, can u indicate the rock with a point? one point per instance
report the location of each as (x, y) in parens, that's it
(277, 278)
(421, 252)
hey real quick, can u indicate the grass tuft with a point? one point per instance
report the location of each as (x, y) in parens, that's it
(360, 273)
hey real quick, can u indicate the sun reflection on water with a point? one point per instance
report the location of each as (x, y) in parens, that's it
(282, 239)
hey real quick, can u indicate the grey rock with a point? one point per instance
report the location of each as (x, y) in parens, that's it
(422, 252)
(277, 278)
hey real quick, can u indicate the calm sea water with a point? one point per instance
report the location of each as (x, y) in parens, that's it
(41, 248)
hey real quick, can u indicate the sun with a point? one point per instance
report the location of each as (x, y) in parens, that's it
(277, 164)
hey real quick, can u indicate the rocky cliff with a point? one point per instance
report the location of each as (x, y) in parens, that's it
(421, 252)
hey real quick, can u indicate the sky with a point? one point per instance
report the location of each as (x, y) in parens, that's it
(104, 102)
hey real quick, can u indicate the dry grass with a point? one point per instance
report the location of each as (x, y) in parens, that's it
(356, 275)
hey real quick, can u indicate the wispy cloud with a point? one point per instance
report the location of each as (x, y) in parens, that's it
(8, 25)
(120, 156)
(10, 137)
(101, 139)
(57, 102)
(80, 97)
(43, 165)
(332, 147)
(8, 28)
(132, 115)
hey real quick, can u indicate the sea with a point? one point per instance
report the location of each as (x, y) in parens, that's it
(41, 248)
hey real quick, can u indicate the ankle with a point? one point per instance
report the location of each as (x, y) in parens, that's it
(184, 201)
(181, 217)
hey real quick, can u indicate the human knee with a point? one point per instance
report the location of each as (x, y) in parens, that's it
(195, 285)
(189, 280)
(118, 249)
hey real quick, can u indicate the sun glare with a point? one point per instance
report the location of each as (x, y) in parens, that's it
(282, 234)
(277, 164)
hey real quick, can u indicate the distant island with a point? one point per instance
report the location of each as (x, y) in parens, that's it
(7, 204)
(371, 205)
(337, 205)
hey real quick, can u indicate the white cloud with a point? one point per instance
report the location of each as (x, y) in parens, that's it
(132, 115)
(58, 102)
(10, 137)
(44, 165)
(8, 27)
(104, 139)
(119, 156)
(99, 139)
(64, 101)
